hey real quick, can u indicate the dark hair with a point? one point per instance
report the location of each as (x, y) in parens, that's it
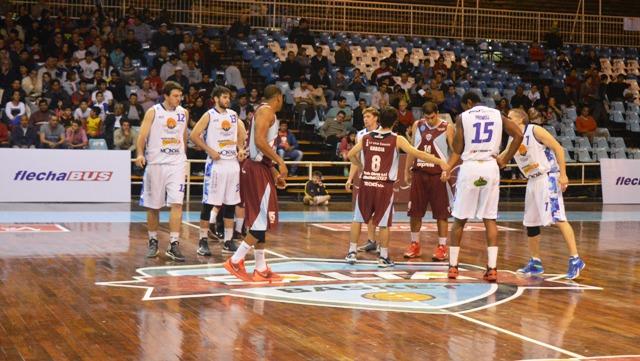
(388, 117)
(341, 112)
(430, 108)
(271, 91)
(341, 98)
(219, 91)
(43, 101)
(96, 110)
(124, 120)
(316, 173)
(170, 86)
(76, 121)
(470, 96)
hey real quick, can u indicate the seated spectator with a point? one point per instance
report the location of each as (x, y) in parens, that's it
(564, 62)
(308, 101)
(243, 108)
(406, 66)
(133, 111)
(193, 73)
(287, 146)
(128, 71)
(380, 94)
(82, 112)
(357, 86)
(4, 135)
(125, 137)
(76, 136)
(346, 143)
(342, 107)
(162, 38)
(434, 94)
(403, 81)
(52, 134)
(520, 100)
(322, 80)
(301, 34)
(452, 103)
(334, 129)
(179, 78)
(93, 124)
(615, 90)
(254, 97)
(15, 109)
(536, 53)
(343, 56)
(382, 73)
(106, 93)
(533, 94)
(197, 111)
(58, 98)
(31, 84)
(71, 83)
(553, 113)
(303, 59)
(586, 126)
(117, 87)
(169, 68)
(234, 78)
(503, 107)
(358, 116)
(535, 117)
(339, 83)
(66, 116)
(141, 31)
(88, 66)
(155, 81)
(568, 97)
(405, 119)
(147, 96)
(42, 115)
(131, 46)
(314, 191)
(82, 93)
(24, 135)
(290, 70)
(440, 67)
(112, 122)
(102, 104)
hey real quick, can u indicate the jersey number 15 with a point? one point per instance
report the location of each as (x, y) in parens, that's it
(483, 136)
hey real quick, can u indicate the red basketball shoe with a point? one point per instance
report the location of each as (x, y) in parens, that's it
(413, 251)
(238, 270)
(491, 275)
(453, 272)
(441, 253)
(266, 275)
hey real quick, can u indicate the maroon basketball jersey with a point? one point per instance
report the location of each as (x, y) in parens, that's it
(253, 152)
(380, 157)
(433, 141)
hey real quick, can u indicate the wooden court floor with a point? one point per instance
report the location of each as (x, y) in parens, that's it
(84, 291)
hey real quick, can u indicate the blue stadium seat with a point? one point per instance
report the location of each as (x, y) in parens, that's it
(570, 113)
(567, 157)
(98, 144)
(619, 106)
(584, 156)
(600, 153)
(351, 98)
(583, 143)
(617, 117)
(366, 96)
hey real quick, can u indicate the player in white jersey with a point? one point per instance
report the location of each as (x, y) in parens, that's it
(161, 146)
(370, 117)
(541, 159)
(477, 140)
(223, 142)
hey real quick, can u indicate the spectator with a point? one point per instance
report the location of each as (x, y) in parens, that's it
(131, 46)
(572, 80)
(102, 104)
(533, 94)
(343, 56)
(93, 124)
(58, 98)
(358, 84)
(141, 31)
(15, 109)
(287, 146)
(82, 112)
(358, 116)
(553, 39)
(451, 102)
(434, 94)
(198, 109)
(568, 97)
(7, 73)
(125, 137)
(535, 117)
(243, 108)
(440, 68)
(290, 69)
(503, 107)
(81, 51)
(405, 119)
(76, 136)
(42, 115)
(406, 66)
(404, 82)
(240, 29)
(184, 59)
(66, 116)
(334, 129)
(133, 111)
(162, 58)
(564, 62)
(303, 59)
(128, 71)
(106, 93)
(162, 38)
(4, 136)
(81, 94)
(319, 61)
(519, 100)
(155, 81)
(553, 113)
(339, 83)
(23, 135)
(31, 85)
(315, 192)
(112, 122)
(254, 97)
(536, 53)
(615, 90)
(382, 73)
(117, 87)
(301, 34)
(379, 95)
(341, 107)
(193, 73)
(586, 126)
(234, 78)
(545, 95)
(147, 96)
(52, 134)
(346, 144)
(71, 83)
(179, 78)
(88, 66)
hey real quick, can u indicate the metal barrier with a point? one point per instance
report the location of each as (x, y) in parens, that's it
(388, 18)
(311, 164)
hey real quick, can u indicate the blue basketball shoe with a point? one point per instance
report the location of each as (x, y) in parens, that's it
(576, 264)
(533, 268)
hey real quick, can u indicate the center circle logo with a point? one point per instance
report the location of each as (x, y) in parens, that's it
(171, 123)
(226, 125)
(397, 296)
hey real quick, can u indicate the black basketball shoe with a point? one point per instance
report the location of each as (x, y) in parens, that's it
(174, 253)
(152, 248)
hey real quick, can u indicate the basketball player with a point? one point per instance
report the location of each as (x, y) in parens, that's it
(477, 138)
(434, 136)
(161, 146)
(541, 159)
(224, 139)
(258, 180)
(379, 160)
(370, 117)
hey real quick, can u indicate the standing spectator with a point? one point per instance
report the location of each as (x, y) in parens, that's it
(536, 53)
(15, 109)
(451, 102)
(290, 69)
(240, 29)
(42, 115)
(301, 34)
(287, 146)
(520, 100)
(76, 136)
(133, 111)
(553, 39)
(319, 61)
(93, 124)
(23, 135)
(125, 137)
(334, 129)
(315, 192)
(343, 56)
(52, 134)
(147, 95)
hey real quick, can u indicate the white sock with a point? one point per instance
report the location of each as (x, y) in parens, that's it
(384, 252)
(153, 235)
(575, 255)
(261, 264)
(536, 259)
(353, 247)
(415, 237)
(453, 255)
(239, 223)
(492, 256)
(241, 252)
(442, 241)
(203, 233)
(214, 215)
(174, 237)
(228, 233)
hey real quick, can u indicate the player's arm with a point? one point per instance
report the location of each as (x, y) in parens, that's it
(263, 119)
(186, 133)
(196, 136)
(547, 139)
(457, 142)
(516, 133)
(145, 127)
(241, 141)
(354, 158)
(410, 158)
(352, 174)
(403, 144)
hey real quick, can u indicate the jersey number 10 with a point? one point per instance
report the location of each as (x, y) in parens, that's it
(484, 136)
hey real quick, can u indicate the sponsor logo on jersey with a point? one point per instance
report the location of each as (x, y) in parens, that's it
(171, 123)
(72, 176)
(522, 149)
(225, 125)
(170, 141)
(428, 137)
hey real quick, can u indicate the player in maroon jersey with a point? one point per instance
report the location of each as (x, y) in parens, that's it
(380, 158)
(428, 186)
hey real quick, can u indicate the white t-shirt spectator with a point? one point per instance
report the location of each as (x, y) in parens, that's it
(108, 96)
(377, 96)
(167, 70)
(300, 93)
(12, 110)
(80, 115)
(88, 69)
(79, 54)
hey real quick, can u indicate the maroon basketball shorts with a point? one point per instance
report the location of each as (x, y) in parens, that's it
(428, 189)
(374, 202)
(258, 194)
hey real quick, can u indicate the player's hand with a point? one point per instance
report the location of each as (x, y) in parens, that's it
(281, 182)
(501, 162)
(347, 186)
(242, 155)
(282, 169)
(564, 182)
(408, 177)
(213, 154)
(140, 161)
(444, 176)
(445, 166)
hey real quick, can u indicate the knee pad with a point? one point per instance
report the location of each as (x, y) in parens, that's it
(205, 213)
(533, 231)
(229, 212)
(259, 235)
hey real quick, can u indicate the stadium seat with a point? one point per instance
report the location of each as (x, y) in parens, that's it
(619, 106)
(583, 156)
(600, 143)
(566, 143)
(567, 157)
(634, 126)
(600, 153)
(551, 130)
(633, 154)
(366, 96)
(351, 98)
(617, 117)
(617, 143)
(604, 132)
(98, 144)
(583, 143)
(567, 131)
(633, 107)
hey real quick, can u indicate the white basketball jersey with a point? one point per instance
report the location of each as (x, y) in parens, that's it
(165, 143)
(254, 153)
(482, 133)
(534, 158)
(222, 133)
(362, 132)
